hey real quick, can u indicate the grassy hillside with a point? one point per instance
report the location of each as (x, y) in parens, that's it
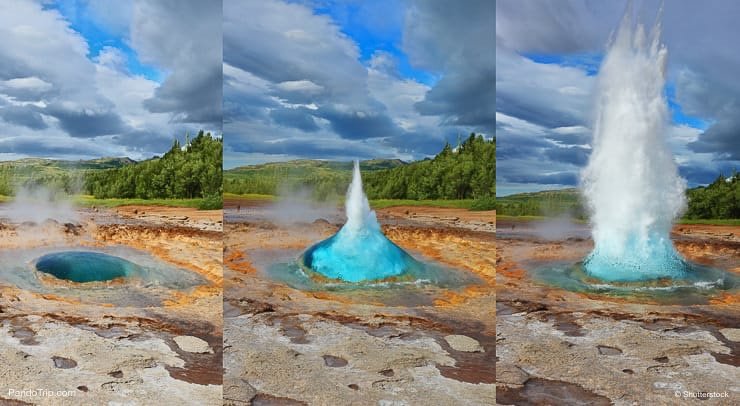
(716, 203)
(326, 179)
(544, 203)
(59, 174)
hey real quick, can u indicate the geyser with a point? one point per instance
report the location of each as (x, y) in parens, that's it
(358, 251)
(85, 266)
(631, 183)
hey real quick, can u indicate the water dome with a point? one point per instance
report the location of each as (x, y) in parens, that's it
(358, 251)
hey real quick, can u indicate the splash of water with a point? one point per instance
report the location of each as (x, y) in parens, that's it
(358, 251)
(631, 182)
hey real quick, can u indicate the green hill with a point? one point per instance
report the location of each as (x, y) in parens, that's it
(56, 173)
(720, 200)
(326, 178)
(543, 203)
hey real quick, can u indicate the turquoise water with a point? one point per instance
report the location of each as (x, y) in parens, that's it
(145, 280)
(364, 256)
(695, 285)
(421, 275)
(638, 260)
(85, 266)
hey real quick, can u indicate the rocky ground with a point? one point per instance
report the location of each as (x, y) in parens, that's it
(557, 347)
(287, 346)
(63, 350)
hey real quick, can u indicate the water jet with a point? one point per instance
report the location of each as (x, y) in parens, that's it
(631, 183)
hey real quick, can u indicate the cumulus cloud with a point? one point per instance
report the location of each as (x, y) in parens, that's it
(294, 73)
(455, 38)
(70, 99)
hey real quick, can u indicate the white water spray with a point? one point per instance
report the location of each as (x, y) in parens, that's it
(631, 183)
(359, 215)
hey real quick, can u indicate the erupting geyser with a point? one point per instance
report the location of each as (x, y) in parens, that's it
(631, 182)
(85, 266)
(358, 251)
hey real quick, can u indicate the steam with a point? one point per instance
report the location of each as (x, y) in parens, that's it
(298, 206)
(38, 204)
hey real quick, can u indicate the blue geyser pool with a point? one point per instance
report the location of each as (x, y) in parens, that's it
(368, 255)
(117, 275)
(358, 251)
(695, 285)
(85, 266)
(638, 260)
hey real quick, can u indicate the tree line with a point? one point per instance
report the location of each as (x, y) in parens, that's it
(184, 172)
(718, 200)
(466, 172)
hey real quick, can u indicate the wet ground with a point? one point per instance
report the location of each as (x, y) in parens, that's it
(416, 345)
(65, 343)
(559, 347)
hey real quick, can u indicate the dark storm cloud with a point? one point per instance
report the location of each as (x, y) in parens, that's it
(183, 37)
(86, 123)
(703, 63)
(359, 125)
(572, 155)
(455, 39)
(24, 116)
(192, 96)
(310, 149)
(722, 139)
(561, 178)
(702, 175)
(145, 141)
(296, 71)
(296, 118)
(37, 146)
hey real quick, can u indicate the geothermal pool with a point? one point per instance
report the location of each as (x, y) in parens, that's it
(86, 266)
(697, 285)
(360, 260)
(116, 275)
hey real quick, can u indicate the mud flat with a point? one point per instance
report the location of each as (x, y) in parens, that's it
(289, 346)
(559, 347)
(93, 352)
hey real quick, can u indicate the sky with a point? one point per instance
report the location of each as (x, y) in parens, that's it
(340, 80)
(547, 57)
(87, 79)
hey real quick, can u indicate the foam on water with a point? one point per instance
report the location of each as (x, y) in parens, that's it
(358, 251)
(631, 183)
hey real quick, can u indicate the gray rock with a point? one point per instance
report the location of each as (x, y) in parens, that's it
(732, 334)
(510, 374)
(463, 343)
(193, 344)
